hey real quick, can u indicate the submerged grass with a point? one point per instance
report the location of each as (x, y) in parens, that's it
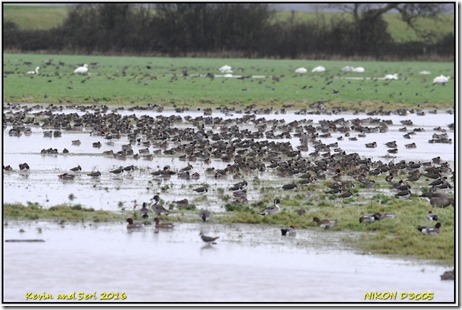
(394, 236)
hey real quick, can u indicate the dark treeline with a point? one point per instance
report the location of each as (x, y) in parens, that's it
(217, 29)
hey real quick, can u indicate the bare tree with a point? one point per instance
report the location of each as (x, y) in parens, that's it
(370, 29)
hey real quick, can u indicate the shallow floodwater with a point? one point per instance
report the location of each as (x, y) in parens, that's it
(249, 263)
(114, 192)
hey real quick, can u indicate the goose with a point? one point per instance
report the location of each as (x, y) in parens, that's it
(319, 69)
(441, 79)
(81, 70)
(207, 239)
(34, 72)
(273, 209)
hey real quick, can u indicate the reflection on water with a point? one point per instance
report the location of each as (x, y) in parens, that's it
(249, 264)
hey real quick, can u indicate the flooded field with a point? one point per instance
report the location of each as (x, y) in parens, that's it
(114, 192)
(141, 152)
(249, 263)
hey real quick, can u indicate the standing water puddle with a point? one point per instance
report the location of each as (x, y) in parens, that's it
(249, 263)
(113, 192)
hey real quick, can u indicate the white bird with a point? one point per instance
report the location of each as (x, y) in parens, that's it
(319, 69)
(226, 69)
(425, 72)
(301, 70)
(82, 70)
(34, 72)
(347, 69)
(391, 76)
(441, 79)
(358, 70)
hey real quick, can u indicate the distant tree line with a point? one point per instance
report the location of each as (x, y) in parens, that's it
(221, 29)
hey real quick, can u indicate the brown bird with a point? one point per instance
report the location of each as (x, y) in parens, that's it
(325, 223)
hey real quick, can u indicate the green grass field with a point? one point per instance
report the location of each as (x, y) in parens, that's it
(123, 80)
(399, 30)
(46, 17)
(35, 16)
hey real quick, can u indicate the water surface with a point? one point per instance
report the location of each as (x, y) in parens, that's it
(249, 263)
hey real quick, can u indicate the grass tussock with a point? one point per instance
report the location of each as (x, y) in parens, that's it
(391, 236)
(64, 212)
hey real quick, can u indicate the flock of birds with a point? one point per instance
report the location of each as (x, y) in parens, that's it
(327, 159)
(441, 79)
(227, 71)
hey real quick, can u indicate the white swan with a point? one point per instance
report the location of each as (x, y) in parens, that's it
(82, 70)
(226, 69)
(424, 72)
(301, 70)
(34, 72)
(391, 76)
(441, 79)
(319, 69)
(347, 69)
(358, 70)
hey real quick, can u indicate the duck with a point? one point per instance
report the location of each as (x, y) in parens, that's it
(441, 200)
(289, 231)
(207, 239)
(289, 186)
(66, 176)
(448, 275)
(94, 174)
(117, 171)
(431, 217)
(158, 208)
(133, 225)
(325, 223)
(144, 211)
(201, 189)
(204, 215)
(24, 166)
(182, 203)
(78, 168)
(159, 225)
(430, 230)
(273, 209)
(369, 218)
